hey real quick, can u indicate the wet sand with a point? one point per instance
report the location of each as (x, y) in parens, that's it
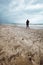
(20, 46)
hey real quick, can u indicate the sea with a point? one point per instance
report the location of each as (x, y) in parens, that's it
(32, 26)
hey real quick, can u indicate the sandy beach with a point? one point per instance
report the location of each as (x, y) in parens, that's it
(20, 46)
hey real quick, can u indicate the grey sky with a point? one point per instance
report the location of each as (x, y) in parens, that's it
(20, 10)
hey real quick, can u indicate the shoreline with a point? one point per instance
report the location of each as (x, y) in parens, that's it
(37, 27)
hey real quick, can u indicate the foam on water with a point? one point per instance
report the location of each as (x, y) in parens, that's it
(32, 26)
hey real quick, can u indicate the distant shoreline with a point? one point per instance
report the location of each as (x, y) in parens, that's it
(23, 23)
(32, 26)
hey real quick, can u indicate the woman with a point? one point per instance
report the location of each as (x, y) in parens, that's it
(27, 23)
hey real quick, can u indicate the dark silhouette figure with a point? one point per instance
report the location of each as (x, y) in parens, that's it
(27, 23)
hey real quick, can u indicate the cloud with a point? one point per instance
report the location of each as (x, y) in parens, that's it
(34, 7)
(20, 10)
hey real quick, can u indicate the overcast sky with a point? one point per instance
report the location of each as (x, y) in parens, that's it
(19, 11)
